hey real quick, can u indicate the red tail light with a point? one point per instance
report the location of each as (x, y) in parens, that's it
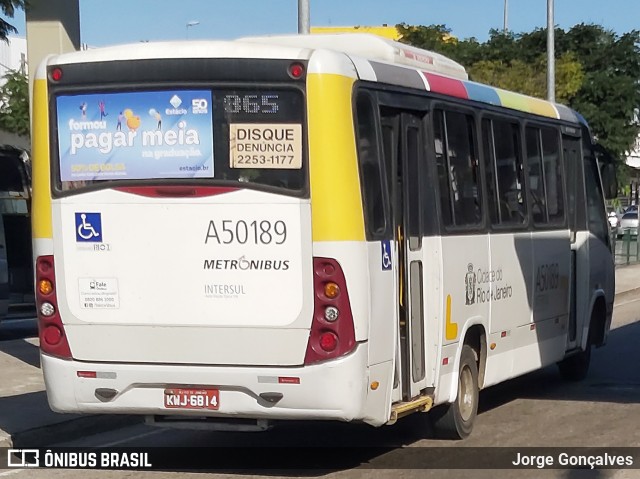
(330, 339)
(296, 70)
(56, 74)
(53, 340)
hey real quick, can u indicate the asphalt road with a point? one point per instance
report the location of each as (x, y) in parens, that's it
(18, 327)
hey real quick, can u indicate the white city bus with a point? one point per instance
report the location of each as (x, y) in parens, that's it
(318, 227)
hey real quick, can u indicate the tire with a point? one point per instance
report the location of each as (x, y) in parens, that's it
(576, 367)
(455, 420)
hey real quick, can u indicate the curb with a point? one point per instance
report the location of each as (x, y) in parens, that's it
(629, 294)
(5, 440)
(68, 430)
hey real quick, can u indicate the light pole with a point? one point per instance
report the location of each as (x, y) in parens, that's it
(192, 23)
(551, 57)
(303, 17)
(506, 16)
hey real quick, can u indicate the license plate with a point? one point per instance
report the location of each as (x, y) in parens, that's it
(191, 398)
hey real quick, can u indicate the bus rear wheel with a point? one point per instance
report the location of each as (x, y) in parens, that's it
(576, 367)
(455, 420)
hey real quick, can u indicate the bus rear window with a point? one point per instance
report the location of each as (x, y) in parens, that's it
(173, 136)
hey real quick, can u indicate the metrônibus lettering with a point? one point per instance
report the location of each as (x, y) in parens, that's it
(244, 264)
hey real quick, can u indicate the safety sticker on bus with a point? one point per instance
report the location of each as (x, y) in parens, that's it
(98, 293)
(386, 255)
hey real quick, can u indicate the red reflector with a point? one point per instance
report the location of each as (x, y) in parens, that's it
(328, 341)
(445, 361)
(329, 269)
(52, 335)
(288, 380)
(87, 374)
(56, 74)
(296, 70)
(44, 266)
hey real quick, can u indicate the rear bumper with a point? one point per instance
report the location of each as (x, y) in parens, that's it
(334, 390)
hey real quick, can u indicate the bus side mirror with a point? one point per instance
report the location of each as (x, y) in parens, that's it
(609, 180)
(607, 164)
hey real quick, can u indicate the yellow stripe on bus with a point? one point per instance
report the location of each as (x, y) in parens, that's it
(451, 328)
(336, 203)
(41, 203)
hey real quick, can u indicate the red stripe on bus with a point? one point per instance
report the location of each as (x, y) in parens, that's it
(446, 86)
(288, 380)
(177, 191)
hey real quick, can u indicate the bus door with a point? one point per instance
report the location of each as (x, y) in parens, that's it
(572, 159)
(407, 165)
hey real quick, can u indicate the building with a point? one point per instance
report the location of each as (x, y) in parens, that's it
(633, 158)
(13, 55)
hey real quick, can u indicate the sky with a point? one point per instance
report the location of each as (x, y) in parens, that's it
(105, 22)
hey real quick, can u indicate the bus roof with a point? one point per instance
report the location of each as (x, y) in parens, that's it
(375, 58)
(372, 47)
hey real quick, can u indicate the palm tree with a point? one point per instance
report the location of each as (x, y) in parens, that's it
(8, 8)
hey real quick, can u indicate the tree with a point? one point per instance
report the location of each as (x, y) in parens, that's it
(610, 91)
(438, 38)
(14, 103)
(531, 78)
(8, 8)
(14, 93)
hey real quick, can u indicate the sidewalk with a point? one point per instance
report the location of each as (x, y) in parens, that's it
(27, 421)
(25, 417)
(627, 281)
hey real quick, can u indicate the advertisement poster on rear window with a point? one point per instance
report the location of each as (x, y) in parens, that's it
(135, 135)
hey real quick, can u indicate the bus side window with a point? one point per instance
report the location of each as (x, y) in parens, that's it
(371, 172)
(546, 179)
(458, 172)
(508, 172)
(553, 175)
(490, 171)
(446, 206)
(536, 176)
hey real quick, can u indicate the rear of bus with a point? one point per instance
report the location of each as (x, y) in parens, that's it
(176, 266)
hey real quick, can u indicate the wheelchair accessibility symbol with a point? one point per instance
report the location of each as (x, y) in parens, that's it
(386, 255)
(89, 227)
